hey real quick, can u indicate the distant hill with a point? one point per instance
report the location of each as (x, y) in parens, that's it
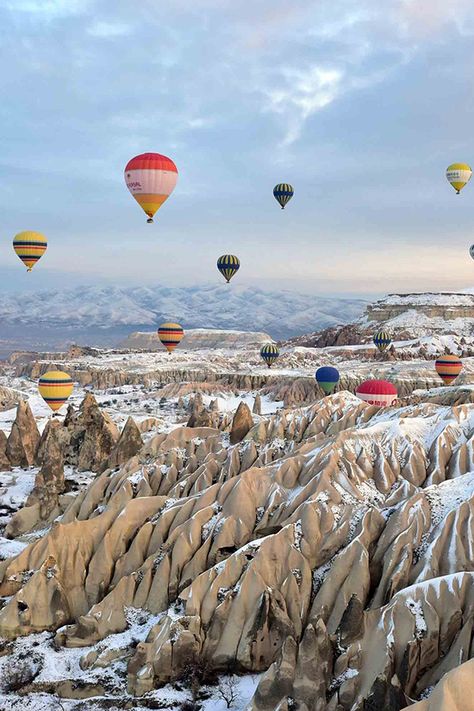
(105, 315)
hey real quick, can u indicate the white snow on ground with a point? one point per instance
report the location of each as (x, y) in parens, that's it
(229, 403)
(15, 487)
(429, 299)
(49, 664)
(9, 549)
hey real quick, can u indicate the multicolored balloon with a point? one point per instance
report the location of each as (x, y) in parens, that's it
(458, 174)
(30, 247)
(151, 178)
(377, 392)
(55, 387)
(382, 340)
(170, 334)
(283, 192)
(327, 378)
(269, 353)
(448, 368)
(228, 265)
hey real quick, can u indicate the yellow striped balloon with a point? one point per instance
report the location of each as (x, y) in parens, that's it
(55, 387)
(458, 174)
(30, 247)
(228, 265)
(170, 334)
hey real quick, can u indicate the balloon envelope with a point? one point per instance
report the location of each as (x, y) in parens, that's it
(170, 334)
(377, 392)
(448, 368)
(55, 387)
(458, 174)
(30, 247)
(471, 251)
(382, 340)
(283, 192)
(269, 353)
(151, 178)
(327, 378)
(228, 265)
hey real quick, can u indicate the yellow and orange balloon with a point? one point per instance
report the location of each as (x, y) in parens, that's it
(55, 387)
(30, 247)
(170, 334)
(448, 368)
(151, 178)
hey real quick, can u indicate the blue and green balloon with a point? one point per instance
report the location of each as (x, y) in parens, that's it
(327, 378)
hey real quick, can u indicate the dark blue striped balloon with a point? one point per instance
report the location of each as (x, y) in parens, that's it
(269, 353)
(283, 192)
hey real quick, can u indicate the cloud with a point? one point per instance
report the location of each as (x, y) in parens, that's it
(305, 92)
(108, 30)
(427, 18)
(48, 9)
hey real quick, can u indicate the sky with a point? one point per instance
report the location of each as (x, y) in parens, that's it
(359, 104)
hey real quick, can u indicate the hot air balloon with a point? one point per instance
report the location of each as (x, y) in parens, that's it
(327, 378)
(55, 387)
(151, 178)
(458, 174)
(382, 340)
(377, 392)
(471, 251)
(269, 353)
(30, 247)
(448, 368)
(170, 334)
(283, 192)
(228, 265)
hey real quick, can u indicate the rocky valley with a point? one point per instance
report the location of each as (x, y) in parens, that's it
(198, 531)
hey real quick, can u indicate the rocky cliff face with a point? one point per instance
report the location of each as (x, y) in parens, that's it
(445, 306)
(329, 549)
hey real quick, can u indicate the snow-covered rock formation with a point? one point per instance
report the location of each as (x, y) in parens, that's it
(329, 550)
(198, 338)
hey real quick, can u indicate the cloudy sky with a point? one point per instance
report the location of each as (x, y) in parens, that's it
(360, 104)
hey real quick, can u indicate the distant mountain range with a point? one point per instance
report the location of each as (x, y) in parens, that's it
(104, 315)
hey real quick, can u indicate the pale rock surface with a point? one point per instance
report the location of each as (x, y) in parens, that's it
(93, 436)
(129, 444)
(5, 464)
(257, 405)
(49, 483)
(241, 423)
(24, 438)
(455, 691)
